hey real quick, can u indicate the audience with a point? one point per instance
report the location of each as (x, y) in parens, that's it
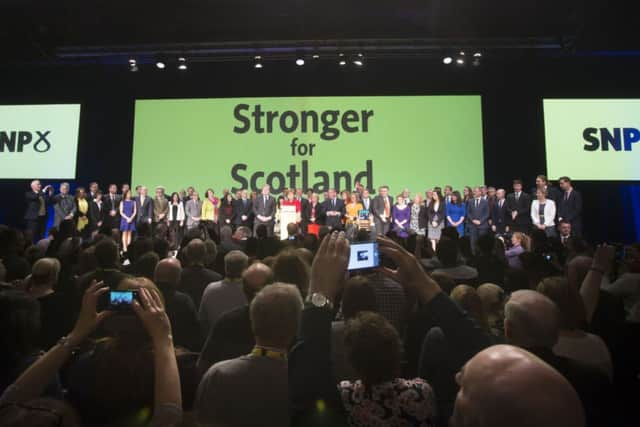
(413, 342)
(252, 390)
(178, 305)
(226, 294)
(231, 335)
(195, 276)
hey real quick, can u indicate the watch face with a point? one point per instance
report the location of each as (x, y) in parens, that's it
(318, 300)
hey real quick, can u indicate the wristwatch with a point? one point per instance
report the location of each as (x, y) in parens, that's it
(319, 300)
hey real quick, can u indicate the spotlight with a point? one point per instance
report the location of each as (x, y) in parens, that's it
(358, 63)
(342, 63)
(477, 55)
(257, 65)
(460, 61)
(160, 64)
(299, 62)
(476, 62)
(462, 53)
(182, 63)
(447, 60)
(315, 56)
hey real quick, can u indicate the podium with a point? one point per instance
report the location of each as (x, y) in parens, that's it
(287, 216)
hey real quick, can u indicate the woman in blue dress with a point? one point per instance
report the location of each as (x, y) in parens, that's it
(456, 212)
(401, 215)
(128, 213)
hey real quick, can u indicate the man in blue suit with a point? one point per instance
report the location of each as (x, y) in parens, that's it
(477, 217)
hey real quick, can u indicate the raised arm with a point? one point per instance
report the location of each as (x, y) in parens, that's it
(35, 379)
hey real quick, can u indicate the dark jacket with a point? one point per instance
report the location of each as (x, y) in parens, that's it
(33, 204)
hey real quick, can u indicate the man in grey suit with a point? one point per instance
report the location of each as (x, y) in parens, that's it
(381, 207)
(144, 206)
(63, 205)
(193, 210)
(264, 210)
(477, 217)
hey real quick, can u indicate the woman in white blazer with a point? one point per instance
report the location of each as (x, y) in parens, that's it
(176, 217)
(543, 213)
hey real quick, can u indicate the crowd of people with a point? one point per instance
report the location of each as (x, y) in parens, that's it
(488, 309)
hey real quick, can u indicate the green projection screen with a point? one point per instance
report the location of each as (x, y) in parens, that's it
(39, 141)
(593, 139)
(313, 142)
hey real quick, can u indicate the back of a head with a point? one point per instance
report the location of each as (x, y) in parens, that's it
(358, 295)
(145, 266)
(492, 298)
(211, 253)
(106, 253)
(275, 315)
(196, 252)
(288, 267)
(305, 254)
(45, 272)
(168, 272)
(226, 233)
(557, 290)
(261, 231)
(243, 233)
(447, 252)
(531, 320)
(468, 299)
(363, 235)
(141, 246)
(372, 347)
(256, 277)
(292, 229)
(235, 262)
(508, 386)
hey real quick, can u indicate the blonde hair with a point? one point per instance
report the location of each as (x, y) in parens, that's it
(524, 240)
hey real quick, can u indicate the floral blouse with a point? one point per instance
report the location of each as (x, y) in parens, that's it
(394, 403)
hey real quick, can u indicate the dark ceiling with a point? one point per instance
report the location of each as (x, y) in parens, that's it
(34, 30)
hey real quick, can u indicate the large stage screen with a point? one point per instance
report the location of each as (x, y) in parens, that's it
(314, 142)
(39, 141)
(593, 139)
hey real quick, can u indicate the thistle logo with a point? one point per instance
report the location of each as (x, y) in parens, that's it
(17, 141)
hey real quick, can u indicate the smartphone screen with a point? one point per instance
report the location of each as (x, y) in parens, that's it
(120, 299)
(363, 255)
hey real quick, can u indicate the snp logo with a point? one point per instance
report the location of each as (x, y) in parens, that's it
(17, 141)
(616, 138)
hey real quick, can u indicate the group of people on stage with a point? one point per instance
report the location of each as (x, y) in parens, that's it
(474, 212)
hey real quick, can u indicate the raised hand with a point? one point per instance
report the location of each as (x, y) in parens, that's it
(151, 312)
(409, 273)
(89, 318)
(603, 258)
(329, 265)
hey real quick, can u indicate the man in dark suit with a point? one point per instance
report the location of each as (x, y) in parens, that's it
(35, 214)
(243, 211)
(334, 210)
(63, 205)
(570, 206)
(144, 206)
(477, 217)
(264, 210)
(519, 206)
(111, 208)
(381, 207)
(499, 213)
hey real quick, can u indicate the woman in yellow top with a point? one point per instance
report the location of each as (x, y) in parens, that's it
(82, 213)
(210, 206)
(353, 207)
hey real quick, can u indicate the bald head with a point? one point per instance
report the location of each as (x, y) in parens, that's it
(508, 386)
(256, 277)
(531, 320)
(168, 272)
